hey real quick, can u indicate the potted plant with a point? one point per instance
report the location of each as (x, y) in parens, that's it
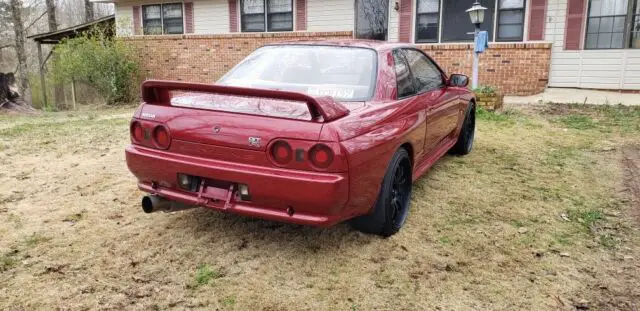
(488, 98)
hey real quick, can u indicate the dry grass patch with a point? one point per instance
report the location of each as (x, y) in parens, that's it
(536, 217)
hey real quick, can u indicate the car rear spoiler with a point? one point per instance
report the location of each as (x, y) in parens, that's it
(159, 92)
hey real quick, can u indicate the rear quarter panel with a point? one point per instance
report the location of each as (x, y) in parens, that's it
(370, 136)
(370, 139)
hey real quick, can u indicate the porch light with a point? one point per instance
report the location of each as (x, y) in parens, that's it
(476, 13)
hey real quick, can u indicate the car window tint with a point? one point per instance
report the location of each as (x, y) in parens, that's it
(404, 80)
(426, 74)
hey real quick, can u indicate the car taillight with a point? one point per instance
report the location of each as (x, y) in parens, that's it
(161, 137)
(281, 152)
(321, 156)
(137, 132)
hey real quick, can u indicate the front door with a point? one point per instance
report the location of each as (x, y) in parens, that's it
(372, 19)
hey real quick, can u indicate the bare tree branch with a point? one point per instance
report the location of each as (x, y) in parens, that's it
(35, 20)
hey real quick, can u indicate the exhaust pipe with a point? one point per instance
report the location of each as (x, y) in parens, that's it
(153, 203)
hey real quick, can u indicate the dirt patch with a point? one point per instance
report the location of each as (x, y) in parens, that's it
(631, 164)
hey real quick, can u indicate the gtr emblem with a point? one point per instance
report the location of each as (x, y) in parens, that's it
(254, 141)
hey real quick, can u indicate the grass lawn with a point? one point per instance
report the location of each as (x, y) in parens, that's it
(542, 215)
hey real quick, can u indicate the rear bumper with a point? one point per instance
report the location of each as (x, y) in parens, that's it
(317, 199)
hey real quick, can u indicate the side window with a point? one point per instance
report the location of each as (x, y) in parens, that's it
(426, 74)
(404, 79)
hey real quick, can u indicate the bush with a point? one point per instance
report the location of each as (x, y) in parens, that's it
(485, 90)
(101, 61)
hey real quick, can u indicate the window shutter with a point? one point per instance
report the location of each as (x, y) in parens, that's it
(573, 26)
(301, 15)
(536, 19)
(188, 17)
(137, 23)
(233, 16)
(406, 19)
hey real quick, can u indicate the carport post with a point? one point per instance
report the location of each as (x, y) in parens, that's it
(73, 92)
(42, 83)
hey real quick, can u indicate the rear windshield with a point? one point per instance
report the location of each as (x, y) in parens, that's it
(344, 73)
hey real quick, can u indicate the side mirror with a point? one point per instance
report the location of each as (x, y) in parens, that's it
(458, 80)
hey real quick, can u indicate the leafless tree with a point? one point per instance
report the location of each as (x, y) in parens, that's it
(18, 29)
(51, 14)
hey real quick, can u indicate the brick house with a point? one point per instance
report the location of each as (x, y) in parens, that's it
(533, 43)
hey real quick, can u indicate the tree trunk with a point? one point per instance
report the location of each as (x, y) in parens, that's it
(51, 13)
(18, 28)
(53, 26)
(88, 10)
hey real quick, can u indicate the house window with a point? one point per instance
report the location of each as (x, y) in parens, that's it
(372, 19)
(456, 26)
(280, 15)
(269, 15)
(427, 20)
(164, 18)
(510, 20)
(607, 26)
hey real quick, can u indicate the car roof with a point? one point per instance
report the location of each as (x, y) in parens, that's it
(358, 43)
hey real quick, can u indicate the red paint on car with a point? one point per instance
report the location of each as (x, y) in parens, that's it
(312, 154)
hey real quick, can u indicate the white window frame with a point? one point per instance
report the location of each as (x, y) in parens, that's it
(184, 19)
(525, 35)
(266, 18)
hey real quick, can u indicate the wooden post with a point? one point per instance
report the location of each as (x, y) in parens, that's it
(73, 92)
(42, 83)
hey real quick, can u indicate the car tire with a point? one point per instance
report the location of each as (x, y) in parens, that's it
(465, 139)
(392, 206)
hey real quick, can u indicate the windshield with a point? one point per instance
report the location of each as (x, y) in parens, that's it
(344, 73)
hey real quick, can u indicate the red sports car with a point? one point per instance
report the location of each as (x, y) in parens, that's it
(311, 133)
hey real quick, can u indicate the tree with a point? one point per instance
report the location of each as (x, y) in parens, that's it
(18, 29)
(88, 10)
(51, 13)
(98, 59)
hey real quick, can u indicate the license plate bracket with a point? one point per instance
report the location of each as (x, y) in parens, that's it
(214, 196)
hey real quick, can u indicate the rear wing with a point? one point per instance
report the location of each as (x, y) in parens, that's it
(159, 92)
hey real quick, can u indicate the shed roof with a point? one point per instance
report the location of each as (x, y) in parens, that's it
(54, 37)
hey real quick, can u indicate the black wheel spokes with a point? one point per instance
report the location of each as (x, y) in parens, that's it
(399, 195)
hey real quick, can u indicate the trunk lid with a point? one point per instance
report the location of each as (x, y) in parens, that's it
(235, 117)
(228, 129)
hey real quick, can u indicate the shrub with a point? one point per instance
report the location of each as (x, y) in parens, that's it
(485, 90)
(101, 61)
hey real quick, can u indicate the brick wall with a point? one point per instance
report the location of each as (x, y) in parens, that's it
(513, 68)
(205, 58)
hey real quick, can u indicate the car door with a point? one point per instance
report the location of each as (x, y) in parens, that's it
(416, 111)
(441, 107)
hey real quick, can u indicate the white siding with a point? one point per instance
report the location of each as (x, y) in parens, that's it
(211, 16)
(124, 19)
(330, 15)
(599, 69)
